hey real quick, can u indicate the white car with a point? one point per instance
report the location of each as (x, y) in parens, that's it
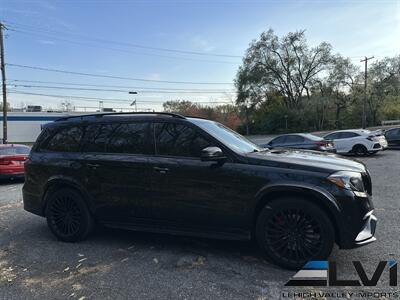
(357, 141)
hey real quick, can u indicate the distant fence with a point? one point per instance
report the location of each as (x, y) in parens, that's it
(390, 122)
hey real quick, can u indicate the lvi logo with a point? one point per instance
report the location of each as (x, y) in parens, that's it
(324, 273)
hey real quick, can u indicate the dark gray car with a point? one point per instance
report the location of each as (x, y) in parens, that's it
(301, 141)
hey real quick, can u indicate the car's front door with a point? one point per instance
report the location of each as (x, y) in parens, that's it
(190, 193)
(393, 137)
(117, 172)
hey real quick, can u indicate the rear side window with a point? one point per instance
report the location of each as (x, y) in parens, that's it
(278, 140)
(96, 137)
(294, 139)
(179, 140)
(347, 135)
(130, 138)
(66, 139)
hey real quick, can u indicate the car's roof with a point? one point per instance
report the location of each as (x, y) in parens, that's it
(12, 145)
(306, 135)
(362, 131)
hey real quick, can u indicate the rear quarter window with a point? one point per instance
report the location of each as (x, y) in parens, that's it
(64, 139)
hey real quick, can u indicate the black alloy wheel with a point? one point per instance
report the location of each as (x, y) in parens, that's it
(68, 216)
(360, 150)
(294, 231)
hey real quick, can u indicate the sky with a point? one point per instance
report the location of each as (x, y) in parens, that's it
(196, 46)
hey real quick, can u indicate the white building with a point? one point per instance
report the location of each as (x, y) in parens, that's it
(26, 126)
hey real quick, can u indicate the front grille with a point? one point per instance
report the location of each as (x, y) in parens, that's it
(367, 182)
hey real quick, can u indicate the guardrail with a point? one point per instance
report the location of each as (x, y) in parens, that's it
(390, 122)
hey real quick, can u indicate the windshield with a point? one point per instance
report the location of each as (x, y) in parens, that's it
(227, 136)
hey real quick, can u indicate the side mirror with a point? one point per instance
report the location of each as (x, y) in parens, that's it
(212, 154)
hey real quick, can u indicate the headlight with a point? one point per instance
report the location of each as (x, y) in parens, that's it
(349, 180)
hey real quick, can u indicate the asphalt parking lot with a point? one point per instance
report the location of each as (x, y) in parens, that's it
(116, 264)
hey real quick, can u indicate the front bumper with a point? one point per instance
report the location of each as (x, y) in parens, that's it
(367, 233)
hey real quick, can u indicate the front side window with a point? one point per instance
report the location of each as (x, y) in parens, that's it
(228, 137)
(174, 139)
(279, 140)
(65, 139)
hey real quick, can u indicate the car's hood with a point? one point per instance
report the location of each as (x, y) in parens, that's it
(305, 160)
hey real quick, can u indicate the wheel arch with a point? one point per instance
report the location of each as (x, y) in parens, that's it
(64, 182)
(315, 195)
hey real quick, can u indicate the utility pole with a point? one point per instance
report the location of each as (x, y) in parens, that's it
(3, 83)
(364, 116)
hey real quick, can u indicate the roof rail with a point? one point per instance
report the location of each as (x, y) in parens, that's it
(82, 117)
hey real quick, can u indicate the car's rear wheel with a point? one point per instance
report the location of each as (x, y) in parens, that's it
(360, 150)
(68, 216)
(293, 231)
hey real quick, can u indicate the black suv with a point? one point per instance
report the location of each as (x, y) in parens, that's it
(184, 175)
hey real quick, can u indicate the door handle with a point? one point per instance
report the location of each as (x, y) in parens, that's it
(93, 166)
(161, 170)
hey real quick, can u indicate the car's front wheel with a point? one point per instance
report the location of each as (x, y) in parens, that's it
(68, 216)
(293, 231)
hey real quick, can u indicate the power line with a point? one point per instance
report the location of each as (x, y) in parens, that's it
(114, 77)
(91, 99)
(111, 90)
(14, 24)
(117, 86)
(118, 49)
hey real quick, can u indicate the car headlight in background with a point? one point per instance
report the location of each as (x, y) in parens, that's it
(350, 181)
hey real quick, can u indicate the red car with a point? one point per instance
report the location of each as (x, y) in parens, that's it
(12, 160)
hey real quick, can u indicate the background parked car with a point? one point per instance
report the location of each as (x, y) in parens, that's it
(393, 137)
(357, 141)
(301, 141)
(12, 160)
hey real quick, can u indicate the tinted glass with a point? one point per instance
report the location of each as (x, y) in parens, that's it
(228, 137)
(179, 140)
(294, 139)
(347, 135)
(392, 132)
(66, 139)
(14, 150)
(96, 137)
(332, 136)
(129, 138)
(278, 141)
(117, 138)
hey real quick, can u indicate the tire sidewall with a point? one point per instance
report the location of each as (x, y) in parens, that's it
(327, 229)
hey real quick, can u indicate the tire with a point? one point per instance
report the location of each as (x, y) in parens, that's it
(360, 150)
(293, 231)
(68, 216)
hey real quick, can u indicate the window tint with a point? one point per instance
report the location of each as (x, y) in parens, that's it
(347, 135)
(117, 138)
(294, 139)
(278, 141)
(65, 139)
(332, 136)
(96, 137)
(393, 132)
(129, 138)
(179, 140)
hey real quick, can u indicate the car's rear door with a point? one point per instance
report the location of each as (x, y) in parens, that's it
(189, 193)
(116, 170)
(294, 141)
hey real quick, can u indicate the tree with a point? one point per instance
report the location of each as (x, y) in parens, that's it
(286, 64)
(384, 81)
